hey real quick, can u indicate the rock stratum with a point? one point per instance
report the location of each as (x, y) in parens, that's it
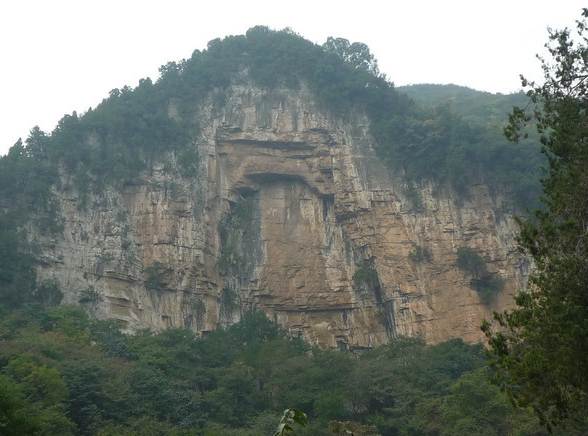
(292, 213)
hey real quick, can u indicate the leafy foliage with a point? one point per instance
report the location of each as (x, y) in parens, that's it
(485, 283)
(67, 374)
(487, 287)
(118, 139)
(474, 406)
(366, 275)
(478, 107)
(539, 350)
(291, 416)
(469, 260)
(155, 279)
(419, 254)
(459, 139)
(89, 296)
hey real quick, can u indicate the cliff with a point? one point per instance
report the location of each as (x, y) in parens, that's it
(292, 213)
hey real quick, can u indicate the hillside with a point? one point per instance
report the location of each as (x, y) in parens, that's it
(478, 106)
(269, 173)
(68, 375)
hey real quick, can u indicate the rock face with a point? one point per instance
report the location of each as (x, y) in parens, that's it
(291, 213)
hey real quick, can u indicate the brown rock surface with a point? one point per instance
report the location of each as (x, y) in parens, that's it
(288, 204)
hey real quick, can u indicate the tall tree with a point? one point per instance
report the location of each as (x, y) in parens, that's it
(540, 349)
(357, 54)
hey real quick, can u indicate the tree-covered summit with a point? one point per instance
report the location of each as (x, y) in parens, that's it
(132, 128)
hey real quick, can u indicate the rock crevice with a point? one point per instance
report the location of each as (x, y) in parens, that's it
(288, 204)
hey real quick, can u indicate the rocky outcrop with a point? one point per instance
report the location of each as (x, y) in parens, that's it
(291, 213)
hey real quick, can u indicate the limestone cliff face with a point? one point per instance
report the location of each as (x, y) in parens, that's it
(288, 205)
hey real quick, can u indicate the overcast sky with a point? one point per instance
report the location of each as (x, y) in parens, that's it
(58, 56)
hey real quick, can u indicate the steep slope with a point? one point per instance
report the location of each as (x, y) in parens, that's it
(267, 173)
(290, 203)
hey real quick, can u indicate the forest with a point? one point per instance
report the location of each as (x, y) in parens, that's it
(63, 373)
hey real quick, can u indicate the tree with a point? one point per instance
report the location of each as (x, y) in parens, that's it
(15, 418)
(540, 349)
(291, 416)
(475, 406)
(33, 399)
(356, 54)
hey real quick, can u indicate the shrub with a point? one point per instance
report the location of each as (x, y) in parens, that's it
(366, 275)
(486, 284)
(90, 296)
(419, 254)
(487, 287)
(470, 261)
(155, 277)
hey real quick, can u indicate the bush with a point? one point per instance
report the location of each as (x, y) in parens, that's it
(90, 296)
(487, 287)
(486, 284)
(419, 254)
(470, 261)
(366, 275)
(155, 277)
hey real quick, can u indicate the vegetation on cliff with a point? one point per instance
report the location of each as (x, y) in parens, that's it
(133, 128)
(485, 283)
(64, 374)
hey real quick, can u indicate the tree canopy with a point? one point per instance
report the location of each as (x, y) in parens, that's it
(63, 374)
(132, 127)
(540, 350)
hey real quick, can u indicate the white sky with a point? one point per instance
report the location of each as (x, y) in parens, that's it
(58, 56)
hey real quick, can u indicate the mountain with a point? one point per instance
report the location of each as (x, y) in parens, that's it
(269, 173)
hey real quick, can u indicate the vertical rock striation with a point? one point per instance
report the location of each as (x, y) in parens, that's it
(290, 205)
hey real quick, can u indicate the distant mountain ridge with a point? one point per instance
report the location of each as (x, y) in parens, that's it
(466, 101)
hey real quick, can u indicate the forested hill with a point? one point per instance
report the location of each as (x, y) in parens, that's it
(63, 372)
(131, 129)
(478, 106)
(451, 134)
(476, 120)
(417, 132)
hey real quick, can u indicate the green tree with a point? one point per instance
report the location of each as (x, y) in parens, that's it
(475, 406)
(291, 416)
(15, 416)
(540, 350)
(356, 54)
(469, 260)
(33, 396)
